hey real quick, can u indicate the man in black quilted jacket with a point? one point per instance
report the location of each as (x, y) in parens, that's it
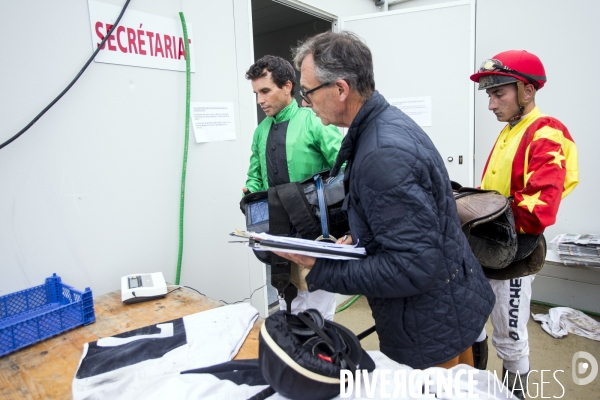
(427, 292)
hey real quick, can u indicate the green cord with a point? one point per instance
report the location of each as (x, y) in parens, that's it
(348, 304)
(185, 147)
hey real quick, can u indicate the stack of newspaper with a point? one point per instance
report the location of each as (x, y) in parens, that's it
(575, 249)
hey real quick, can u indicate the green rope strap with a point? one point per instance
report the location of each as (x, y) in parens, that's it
(185, 146)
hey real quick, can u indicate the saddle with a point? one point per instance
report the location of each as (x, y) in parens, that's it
(311, 209)
(487, 221)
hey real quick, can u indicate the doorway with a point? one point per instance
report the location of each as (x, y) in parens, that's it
(277, 28)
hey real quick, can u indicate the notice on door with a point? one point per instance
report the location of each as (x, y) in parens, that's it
(212, 122)
(418, 108)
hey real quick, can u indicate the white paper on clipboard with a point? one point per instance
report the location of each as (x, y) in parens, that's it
(317, 249)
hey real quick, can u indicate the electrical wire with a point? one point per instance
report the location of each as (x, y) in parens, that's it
(223, 301)
(185, 145)
(179, 288)
(33, 121)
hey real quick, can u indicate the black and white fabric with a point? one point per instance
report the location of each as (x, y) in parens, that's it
(243, 380)
(122, 366)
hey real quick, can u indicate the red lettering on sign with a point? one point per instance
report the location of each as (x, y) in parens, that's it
(181, 49)
(135, 41)
(168, 49)
(100, 35)
(141, 41)
(120, 30)
(111, 39)
(150, 36)
(131, 40)
(159, 46)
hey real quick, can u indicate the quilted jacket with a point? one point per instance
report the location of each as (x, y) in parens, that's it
(427, 292)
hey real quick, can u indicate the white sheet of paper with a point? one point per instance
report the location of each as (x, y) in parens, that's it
(212, 122)
(347, 252)
(418, 108)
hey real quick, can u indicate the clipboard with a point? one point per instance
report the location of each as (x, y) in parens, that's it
(317, 249)
(268, 245)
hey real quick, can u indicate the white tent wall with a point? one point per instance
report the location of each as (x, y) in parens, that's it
(566, 47)
(92, 190)
(563, 34)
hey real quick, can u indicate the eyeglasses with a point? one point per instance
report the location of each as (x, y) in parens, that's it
(496, 65)
(304, 94)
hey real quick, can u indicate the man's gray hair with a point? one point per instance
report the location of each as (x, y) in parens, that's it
(339, 56)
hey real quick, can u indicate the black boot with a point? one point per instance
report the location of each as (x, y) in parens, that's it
(516, 383)
(480, 354)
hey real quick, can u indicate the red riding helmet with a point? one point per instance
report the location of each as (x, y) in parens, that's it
(511, 66)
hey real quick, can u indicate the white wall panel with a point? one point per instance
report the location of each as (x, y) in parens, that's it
(91, 191)
(425, 52)
(563, 34)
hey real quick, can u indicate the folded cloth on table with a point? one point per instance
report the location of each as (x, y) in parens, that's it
(563, 320)
(121, 366)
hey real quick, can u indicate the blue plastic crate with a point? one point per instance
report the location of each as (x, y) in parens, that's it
(35, 314)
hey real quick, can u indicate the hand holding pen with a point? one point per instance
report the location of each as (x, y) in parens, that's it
(347, 239)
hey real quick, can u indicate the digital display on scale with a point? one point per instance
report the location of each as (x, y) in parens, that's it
(136, 288)
(135, 282)
(138, 281)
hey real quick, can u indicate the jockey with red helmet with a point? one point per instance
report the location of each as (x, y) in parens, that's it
(535, 161)
(513, 66)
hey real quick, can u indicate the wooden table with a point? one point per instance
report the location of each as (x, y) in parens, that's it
(45, 370)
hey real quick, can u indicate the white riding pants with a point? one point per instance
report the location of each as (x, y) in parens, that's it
(320, 300)
(509, 319)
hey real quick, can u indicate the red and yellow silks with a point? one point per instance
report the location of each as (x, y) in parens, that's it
(535, 162)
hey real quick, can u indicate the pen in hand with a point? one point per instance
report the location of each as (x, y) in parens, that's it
(347, 239)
